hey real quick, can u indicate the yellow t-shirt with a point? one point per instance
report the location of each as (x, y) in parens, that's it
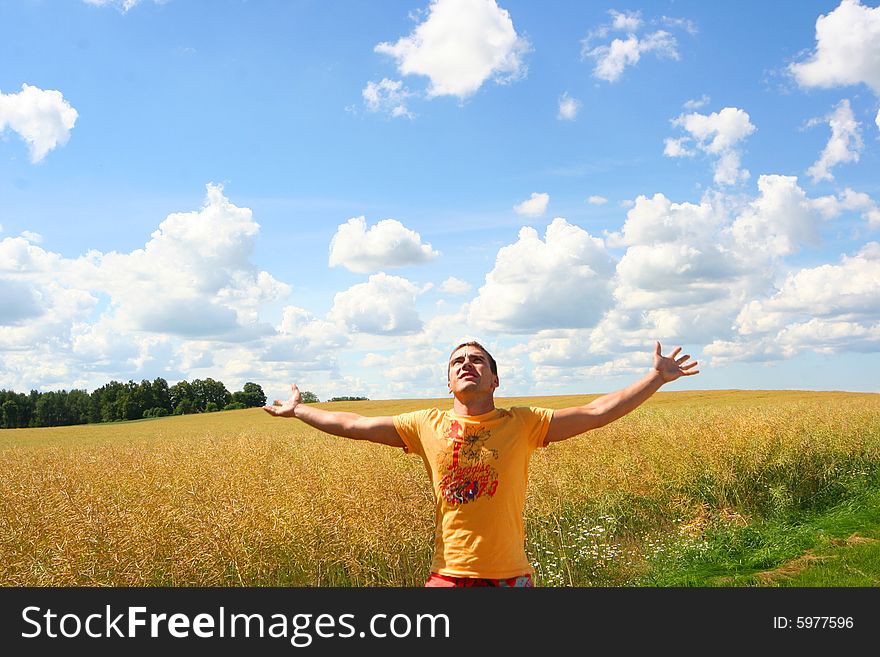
(478, 466)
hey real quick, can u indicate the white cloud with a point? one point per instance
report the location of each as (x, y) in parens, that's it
(568, 107)
(595, 199)
(456, 286)
(613, 58)
(306, 342)
(19, 302)
(44, 298)
(460, 45)
(560, 281)
(387, 244)
(625, 21)
(121, 5)
(389, 96)
(847, 49)
(848, 290)
(534, 206)
(683, 23)
(193, 278)
(384, 305)
(852, 200)
(41, 117)
(657, 220)
(689, 269)
(30, 236)
(716, 134)
(829, 308)
(185, 305)
(779, 221)
(677, 278)
(677, 147)
(564, 348)
(696, 104)
(843, 146)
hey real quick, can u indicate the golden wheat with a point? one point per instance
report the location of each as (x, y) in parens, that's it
(242, 499)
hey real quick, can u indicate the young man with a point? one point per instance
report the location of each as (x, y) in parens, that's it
(477, 456)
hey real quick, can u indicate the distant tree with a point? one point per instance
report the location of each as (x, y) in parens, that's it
(162, 395)
(333, 399)
(107, 402)
(251, 395)
(234, 406)
(51, 409)
(79, 403)
(9, 414)
(184, 407)
(207, 391)
(308, 397)
(181, 392)
(123, 401)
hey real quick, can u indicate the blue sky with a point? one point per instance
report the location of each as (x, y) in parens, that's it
(336, 193)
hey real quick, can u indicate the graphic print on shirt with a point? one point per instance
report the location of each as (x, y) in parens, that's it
(465, 464)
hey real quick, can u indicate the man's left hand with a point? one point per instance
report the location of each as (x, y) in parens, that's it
(673, 366)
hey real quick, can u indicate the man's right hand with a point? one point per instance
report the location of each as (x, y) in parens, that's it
(285, 408)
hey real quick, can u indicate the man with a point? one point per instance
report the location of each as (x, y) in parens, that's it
(477, 456)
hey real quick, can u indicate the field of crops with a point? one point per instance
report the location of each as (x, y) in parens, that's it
(240, 498)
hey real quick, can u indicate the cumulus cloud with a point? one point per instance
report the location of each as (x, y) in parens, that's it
(534, 206)
(827, 308)
(779, 221)
(193, 278)
(43, 118)
(717, 134)
(183, 299)
(568, 107)
(847, 49)
(456, 286)
(611, 59)
(853, 200)
(384, 305)
(388, 96)
(19, 302)
(41, 296)
(677, 276)
(690, 268)
(629, 21)
(559, 281)
(846, 291)
(187, 304)
(460, 45)
(595, 199)
(658, 220)
(844, 145)
(387, 244)
(306, 342)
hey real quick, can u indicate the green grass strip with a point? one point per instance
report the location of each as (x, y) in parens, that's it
(839, 546)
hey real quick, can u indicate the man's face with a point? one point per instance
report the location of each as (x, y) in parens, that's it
(469, 370)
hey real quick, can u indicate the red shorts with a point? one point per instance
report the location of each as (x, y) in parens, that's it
(446, 581)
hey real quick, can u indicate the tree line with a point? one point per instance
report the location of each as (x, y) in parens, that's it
(116, 401)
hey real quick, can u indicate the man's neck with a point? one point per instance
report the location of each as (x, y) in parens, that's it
(473, 406)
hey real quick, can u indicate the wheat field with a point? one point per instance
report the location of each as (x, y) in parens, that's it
(240, 498)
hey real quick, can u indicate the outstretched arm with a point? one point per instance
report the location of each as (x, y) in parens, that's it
(348, 425)
(568, 422)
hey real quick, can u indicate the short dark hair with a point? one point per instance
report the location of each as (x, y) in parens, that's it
(492, 364)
